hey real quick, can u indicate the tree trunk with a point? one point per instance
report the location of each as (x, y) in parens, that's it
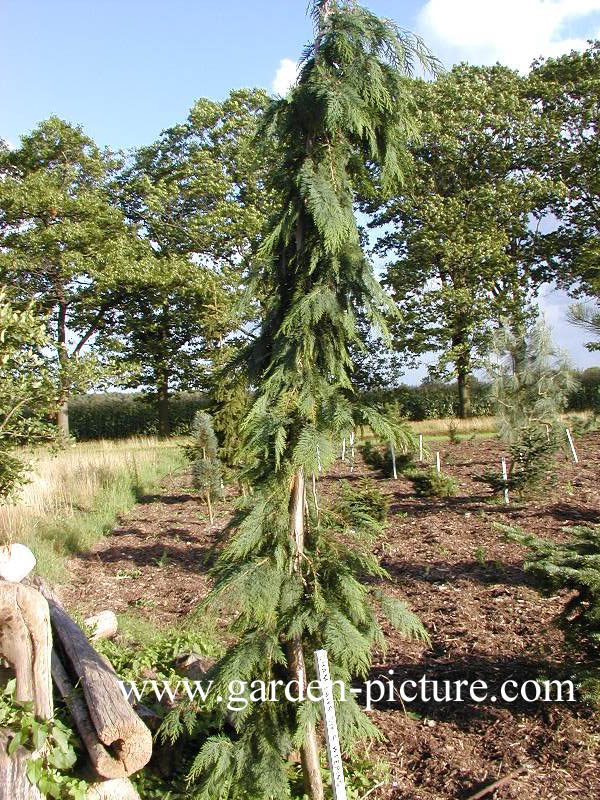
(164, 424)
(62, 419)
(14, 783)
(464, 394)
(309, 752)
(62, 414)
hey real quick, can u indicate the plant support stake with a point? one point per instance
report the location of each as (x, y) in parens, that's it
(438, 462)
(505, 479)
(420, 447)
(393, 452)
(344, 449)
(334, 755)
(570, 438)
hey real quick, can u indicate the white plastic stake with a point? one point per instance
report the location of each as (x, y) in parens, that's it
(570, 438)
(352, 450)
(344, 449)
(505, 479)
(438, 463)
(336, 765)
(393, 452)
(319, 458)
(420, 447)
(548, 432)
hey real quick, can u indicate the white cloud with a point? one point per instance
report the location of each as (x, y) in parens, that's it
(514, 32)
(285, 77)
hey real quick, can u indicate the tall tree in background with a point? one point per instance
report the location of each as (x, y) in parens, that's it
(461, 233)
(62, 244)
(566, 91)
(196, 199)
(27, 393)
(290, 575)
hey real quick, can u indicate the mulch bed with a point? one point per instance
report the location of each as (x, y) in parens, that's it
(465, 580)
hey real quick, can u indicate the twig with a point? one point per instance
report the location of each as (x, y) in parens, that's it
(497, 784)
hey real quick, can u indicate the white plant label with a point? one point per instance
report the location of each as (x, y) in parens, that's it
(570, 438)
(505, 479)
(336, 765)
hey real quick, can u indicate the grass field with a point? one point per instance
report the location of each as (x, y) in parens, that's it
(74, 496)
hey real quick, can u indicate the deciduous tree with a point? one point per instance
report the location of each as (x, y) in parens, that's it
(461, 233)
(62, 243)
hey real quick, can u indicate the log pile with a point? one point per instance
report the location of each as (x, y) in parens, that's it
(117, 741)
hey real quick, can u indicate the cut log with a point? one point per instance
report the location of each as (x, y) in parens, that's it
(120, 789)
(26, 644)
(105, 764)
(116, 724)
(14, 783)
(102, 626)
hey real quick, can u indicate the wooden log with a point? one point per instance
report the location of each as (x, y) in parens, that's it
(104, 763)
(120, 789)
(26, 644)
(103, 625)
(116, 724)
(14, 783)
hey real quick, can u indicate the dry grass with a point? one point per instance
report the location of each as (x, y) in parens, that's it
(466, 427)
(74, 495)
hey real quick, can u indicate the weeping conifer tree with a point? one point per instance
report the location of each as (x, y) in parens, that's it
(292, 572)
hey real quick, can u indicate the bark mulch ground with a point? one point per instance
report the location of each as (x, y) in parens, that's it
(465, 580)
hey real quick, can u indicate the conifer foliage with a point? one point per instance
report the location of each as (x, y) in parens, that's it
(531, 382)
(291, 573)
(206, 467)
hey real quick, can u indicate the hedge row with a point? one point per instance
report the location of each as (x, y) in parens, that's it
(117, 415)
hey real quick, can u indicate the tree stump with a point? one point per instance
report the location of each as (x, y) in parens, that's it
(121, 789)
(26, 644)
(14, 783)
(102, 626)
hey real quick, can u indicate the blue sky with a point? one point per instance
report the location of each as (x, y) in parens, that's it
(126, 69)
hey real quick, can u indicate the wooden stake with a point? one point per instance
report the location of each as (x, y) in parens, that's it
(573, 451)
(336, 765)
(210, 511)
(393, 452)
(505, 479)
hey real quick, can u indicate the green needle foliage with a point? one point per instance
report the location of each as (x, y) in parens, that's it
(290, 575)
(531, 383)
(574, 566)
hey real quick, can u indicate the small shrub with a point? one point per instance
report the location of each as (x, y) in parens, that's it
(363, 499)
(575, 566)
(208, 474)
(204, 441)
(532, 465)
(431, 483)
(380, 458)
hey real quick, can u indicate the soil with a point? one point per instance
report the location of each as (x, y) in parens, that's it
(466, 581)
